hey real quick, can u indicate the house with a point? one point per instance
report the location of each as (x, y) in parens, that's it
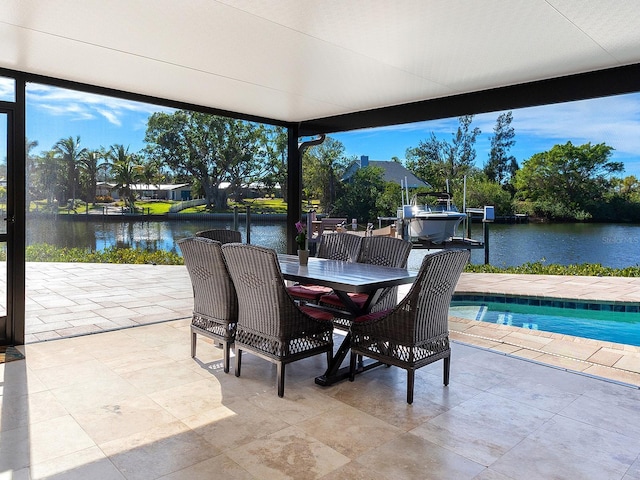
(176, 192)
(393, 172)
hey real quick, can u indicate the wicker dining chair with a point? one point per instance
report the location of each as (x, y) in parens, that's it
(415, 333)
(215, 306)
(333, 246)
(376, 250)
(339, 246)
(221, 235)
(270, 323)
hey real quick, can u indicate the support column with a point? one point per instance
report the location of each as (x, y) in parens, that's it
(294, 186)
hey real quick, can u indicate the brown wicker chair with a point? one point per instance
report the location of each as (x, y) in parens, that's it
(339, 246)
(270, 324)
(215, 306)
(383, 251)
(416, 332)
(334, 246)
(221, 235)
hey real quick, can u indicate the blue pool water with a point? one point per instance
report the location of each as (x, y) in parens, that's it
(619, 322)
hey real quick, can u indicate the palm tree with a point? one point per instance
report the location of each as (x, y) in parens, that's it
(90, 165)
(71, 153)
(30, 166)
(126, 172)
(46, 176)
(151, 172)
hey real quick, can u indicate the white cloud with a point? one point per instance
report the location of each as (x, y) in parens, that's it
(110, 116)
(74, 110)
(611, 120)
(7, 89)
(77, 105)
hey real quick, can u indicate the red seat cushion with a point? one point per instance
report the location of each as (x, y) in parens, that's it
(317, 313)
(333, 299)
(308, 292)
(372, 316)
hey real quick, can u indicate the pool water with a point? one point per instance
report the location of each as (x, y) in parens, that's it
(613, 323)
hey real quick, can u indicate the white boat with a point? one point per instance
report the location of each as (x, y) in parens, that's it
(431, 217)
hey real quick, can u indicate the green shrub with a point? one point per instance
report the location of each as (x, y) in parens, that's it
(50, 253)
(539, 268)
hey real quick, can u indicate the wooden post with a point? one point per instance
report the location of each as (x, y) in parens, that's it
(248, 223)
(235, 218)
(485, 234)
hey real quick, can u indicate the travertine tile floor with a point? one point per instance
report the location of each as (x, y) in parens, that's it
(68, 299)
(131, 403)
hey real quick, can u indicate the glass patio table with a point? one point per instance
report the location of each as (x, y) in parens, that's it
(345, 278)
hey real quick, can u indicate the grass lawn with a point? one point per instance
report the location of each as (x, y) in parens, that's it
(159, 207)
(258, 205)
(154, 207)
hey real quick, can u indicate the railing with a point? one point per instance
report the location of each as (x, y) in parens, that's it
(187, 204)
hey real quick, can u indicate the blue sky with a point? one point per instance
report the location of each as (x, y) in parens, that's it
(55, 113)
(612, 120)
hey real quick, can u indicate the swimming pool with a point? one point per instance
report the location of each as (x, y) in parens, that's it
(612, 322)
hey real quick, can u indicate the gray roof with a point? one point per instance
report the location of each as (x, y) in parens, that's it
(393, 172)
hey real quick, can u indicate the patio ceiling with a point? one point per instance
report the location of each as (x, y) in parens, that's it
(302, 61)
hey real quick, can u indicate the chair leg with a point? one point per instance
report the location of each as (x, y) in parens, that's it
(226, 347)
(280, 372)
(411, 375)
(238, 361)
(352, 367)
(329, 358)
(193, 343)
(447, 368)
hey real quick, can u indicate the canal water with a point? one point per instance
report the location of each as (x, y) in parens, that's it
(612, 245)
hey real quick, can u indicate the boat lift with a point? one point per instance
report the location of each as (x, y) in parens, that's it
(456, 243)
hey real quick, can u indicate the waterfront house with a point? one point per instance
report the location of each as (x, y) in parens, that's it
(145, 191)
(393, 172)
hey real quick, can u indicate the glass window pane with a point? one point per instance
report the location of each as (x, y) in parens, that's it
(7, 89)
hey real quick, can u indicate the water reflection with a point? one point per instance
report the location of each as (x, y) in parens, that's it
(612, 245)
(99, 235)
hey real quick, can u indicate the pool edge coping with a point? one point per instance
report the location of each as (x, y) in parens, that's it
(617, 374)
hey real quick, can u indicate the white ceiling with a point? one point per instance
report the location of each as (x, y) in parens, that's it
(296, 60)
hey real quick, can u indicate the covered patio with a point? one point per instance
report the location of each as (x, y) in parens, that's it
(131, 403)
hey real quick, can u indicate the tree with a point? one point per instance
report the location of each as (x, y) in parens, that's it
(126, 171)
(501, 166)
(571, 178)
(482, 191)
(387, 204)
(628, 188)
(245, 151)
(90, 164)
(322, 166)
(438, 161)
(276, 159)
(361, 193)
(30, 168)
(210, 148)
(47, 176)
(71, 153)
(151, 172)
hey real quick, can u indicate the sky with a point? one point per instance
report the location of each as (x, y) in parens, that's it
(55, 113)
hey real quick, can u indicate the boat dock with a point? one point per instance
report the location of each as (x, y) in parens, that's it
(460, 243)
